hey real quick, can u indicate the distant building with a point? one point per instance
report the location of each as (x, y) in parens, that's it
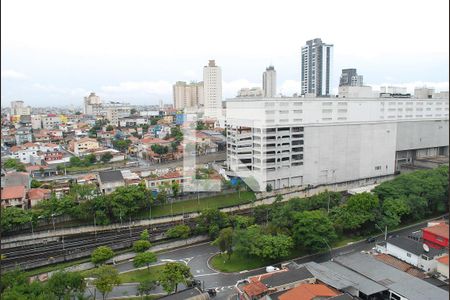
(270, 82)
(13, 196)
(83, 145)
(250, 92)
(18, 108)
(349, 91)
(316, 68)
(350, 77)
(423, 92)
(92, 104)
(23, 135)
(188, 95)
(212, 80)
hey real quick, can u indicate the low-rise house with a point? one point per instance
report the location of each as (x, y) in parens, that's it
(87, 179)
(13, 196)
(132, 121)
(155, 182)
(16, 179)
(37, 194)
(81, 146)
(23, 135)
(109, 181)
(436, 236)
(308, 291)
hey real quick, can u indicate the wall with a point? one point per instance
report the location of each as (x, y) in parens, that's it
(422, 134)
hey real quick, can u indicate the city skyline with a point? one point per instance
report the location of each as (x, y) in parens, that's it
(44, 65)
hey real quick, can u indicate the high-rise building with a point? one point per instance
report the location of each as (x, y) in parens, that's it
(350, 77)
(18, 108)
(212, 80)
(317, 65)
(187, 95)
(270, 82)
(92, 104)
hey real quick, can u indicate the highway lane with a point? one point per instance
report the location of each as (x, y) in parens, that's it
(197, 256)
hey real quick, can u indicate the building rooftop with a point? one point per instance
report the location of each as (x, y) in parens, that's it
(13, 192)
(308, 292)
(363, 284)
(280, 278)
(255, 289)
(110, 176)
(439, 230)
(38, 194)
(443, 260)
(401, 265)
(413, 246)
(400, 282)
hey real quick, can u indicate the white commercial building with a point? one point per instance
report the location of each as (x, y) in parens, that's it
(285, 142)
(250, 92)
(92, 104)
(270, 82)
(212, 81)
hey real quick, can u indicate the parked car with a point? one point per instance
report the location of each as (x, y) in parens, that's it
(270, 269)
(371, 239)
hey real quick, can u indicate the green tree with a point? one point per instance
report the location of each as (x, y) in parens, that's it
(268, 188)
(178, 231)
(106, 157)
(133, 111)
(359, 212)
(200, 126)
(109, 128)
(275, 246)
(106, 278)
(101, 254)
(141, 246)
(144, 259)
(67, 284)
(278, 199)
(161, 197)
(35, 183)
(225, 241)
(144, 236)
(393, 211)
(173, 274)
(211, 221)
(146, 287)
(175, 189)
(158, 149)
(241, 222)
(121, 145)
(311, 228)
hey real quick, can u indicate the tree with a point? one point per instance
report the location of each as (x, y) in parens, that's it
(393, 211)
(133, 111)
(158, 149)
(278, 199)
(268, 188)
(12, 163)
(106, 277)
(178, 231)
(211, 221)
(144, 259)
(35, 183)
(101, 254)
(313, 229)
(145, 287)
(109, 128)
(106, 157)
(173, 274)
(121, 145)
(359, 212)
(225, 241)
(141, 246)
(175, 189)
(275, 246)
(144, 236)
(66, 284)
(161, 197)
(241, 222)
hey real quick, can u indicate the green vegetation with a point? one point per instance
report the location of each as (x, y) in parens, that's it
(106, 277)
(173, 274)
(101, 254)
(142, 275)
(12, 163)
(121, 145)
(179, 231)
(144, 259)
(158, 149)
(236, 262)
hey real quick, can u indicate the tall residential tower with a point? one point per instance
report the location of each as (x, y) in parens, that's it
(212, 82)
(317, 64)
(270, 82)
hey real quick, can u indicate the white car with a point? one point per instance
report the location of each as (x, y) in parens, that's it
(270, 269)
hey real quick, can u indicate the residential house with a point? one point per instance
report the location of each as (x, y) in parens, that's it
(16, 179)
(109, 181)
(442, 265)
(154, 182)
(81, 146)
(309, 291)
(436, 236)
(23, 135)
(36, 195)
(13, 196)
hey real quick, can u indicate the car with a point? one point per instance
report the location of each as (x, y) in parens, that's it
(211, 292)
(371, 239)
(270, 269)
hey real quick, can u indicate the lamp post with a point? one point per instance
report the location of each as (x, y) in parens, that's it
(32, 230)
(53, 221)
(331, 254)
(384, 232)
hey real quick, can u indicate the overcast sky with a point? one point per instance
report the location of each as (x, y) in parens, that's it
(56, 52)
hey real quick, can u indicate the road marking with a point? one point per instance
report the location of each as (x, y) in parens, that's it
(209, 274)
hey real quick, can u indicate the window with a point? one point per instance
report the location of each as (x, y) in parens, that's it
(378, 168)
(327, 111)
(408, 254)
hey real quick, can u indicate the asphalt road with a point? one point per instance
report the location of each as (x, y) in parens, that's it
(197, 256)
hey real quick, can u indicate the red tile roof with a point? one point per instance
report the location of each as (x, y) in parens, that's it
(15, 148)
(439, 230)
(255, 289)
(13, 192)
(309, 292)
(38, 194)
(29, 145)
(443, 260)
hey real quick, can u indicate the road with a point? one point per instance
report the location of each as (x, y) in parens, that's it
(197, 256)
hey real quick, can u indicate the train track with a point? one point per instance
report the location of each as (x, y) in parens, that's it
(81, 245)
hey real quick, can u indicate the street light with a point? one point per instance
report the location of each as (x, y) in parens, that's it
(53, 221)
(384, 232)
(331, 254)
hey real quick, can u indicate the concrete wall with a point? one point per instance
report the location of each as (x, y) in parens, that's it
(422, 134)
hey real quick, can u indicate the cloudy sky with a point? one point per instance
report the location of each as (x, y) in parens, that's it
(55, 52)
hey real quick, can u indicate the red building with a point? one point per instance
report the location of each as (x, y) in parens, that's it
(436, 236)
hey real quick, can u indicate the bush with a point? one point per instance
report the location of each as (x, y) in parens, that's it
(179, 231)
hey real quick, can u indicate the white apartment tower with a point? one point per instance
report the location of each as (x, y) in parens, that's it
(92, 104)
(270, 82)
(317, 65)
(187, 95)
(212, 80)
(18, 108)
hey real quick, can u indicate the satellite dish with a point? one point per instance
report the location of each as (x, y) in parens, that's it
(426, 248)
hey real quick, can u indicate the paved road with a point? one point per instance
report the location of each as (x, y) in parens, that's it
(196, 257)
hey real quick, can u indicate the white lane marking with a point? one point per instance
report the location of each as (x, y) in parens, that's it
(209, 274)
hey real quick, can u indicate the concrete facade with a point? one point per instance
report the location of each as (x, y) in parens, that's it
(288, 142)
